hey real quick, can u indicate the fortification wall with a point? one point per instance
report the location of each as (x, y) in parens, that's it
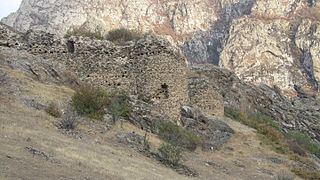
(150, 68)
(203, 95)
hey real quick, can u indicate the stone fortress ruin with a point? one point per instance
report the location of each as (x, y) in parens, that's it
(156, 72)
(150, 68)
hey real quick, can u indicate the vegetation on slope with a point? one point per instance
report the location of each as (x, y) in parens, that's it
(294, 143)
(95, 103)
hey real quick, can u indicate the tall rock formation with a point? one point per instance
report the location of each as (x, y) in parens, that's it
(277, 45)
(175, 17)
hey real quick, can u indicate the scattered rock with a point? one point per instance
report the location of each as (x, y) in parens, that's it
(132, 140)
(291, 113)
(36, 152)
(213, 131)
(276, 160)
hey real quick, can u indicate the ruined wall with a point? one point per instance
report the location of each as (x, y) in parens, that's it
(160, 76)
(203, 95)
(150, 68)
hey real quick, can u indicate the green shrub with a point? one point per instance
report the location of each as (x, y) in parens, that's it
(262, 123)
(270, 132)
(93, 102)
(305, 141)
(178, 136)
(119, 106)
(234, 114)
(170, 154)
(84, 33)
(90, 101)
(122, 35)
(263, 119)
(54, 110)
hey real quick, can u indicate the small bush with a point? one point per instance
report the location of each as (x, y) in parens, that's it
(119, 106)
(93, 102)
(122, 35)
(54, 110)
(90, 101)
(170, 154)
(69, 121)
(84, 33)
(263, 119)
(262, 123)
(284, 175)
(270, 132)
(234, 114)
(178, 136)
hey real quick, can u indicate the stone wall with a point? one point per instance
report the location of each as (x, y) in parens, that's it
(203, 95)
(150, 68)
(160, 75)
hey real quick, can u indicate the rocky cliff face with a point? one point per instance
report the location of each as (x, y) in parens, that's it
(175, 18)
(262, 41)
(276, 45)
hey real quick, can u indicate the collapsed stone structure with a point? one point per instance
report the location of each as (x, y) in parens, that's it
(149, 68)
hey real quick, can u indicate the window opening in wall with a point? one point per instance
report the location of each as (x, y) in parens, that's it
(165, 90)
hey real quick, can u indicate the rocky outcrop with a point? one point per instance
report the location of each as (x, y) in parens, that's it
(206, 46)
(260, 51)
(174, 17)
(300, 113)
(213, 131)
(307, 40)
(275, 46)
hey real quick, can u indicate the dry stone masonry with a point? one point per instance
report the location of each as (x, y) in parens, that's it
(150, 68)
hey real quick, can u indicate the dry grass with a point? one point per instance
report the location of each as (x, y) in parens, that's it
(122, 35)
(306, 174)
(78, 31)
(54, 110)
